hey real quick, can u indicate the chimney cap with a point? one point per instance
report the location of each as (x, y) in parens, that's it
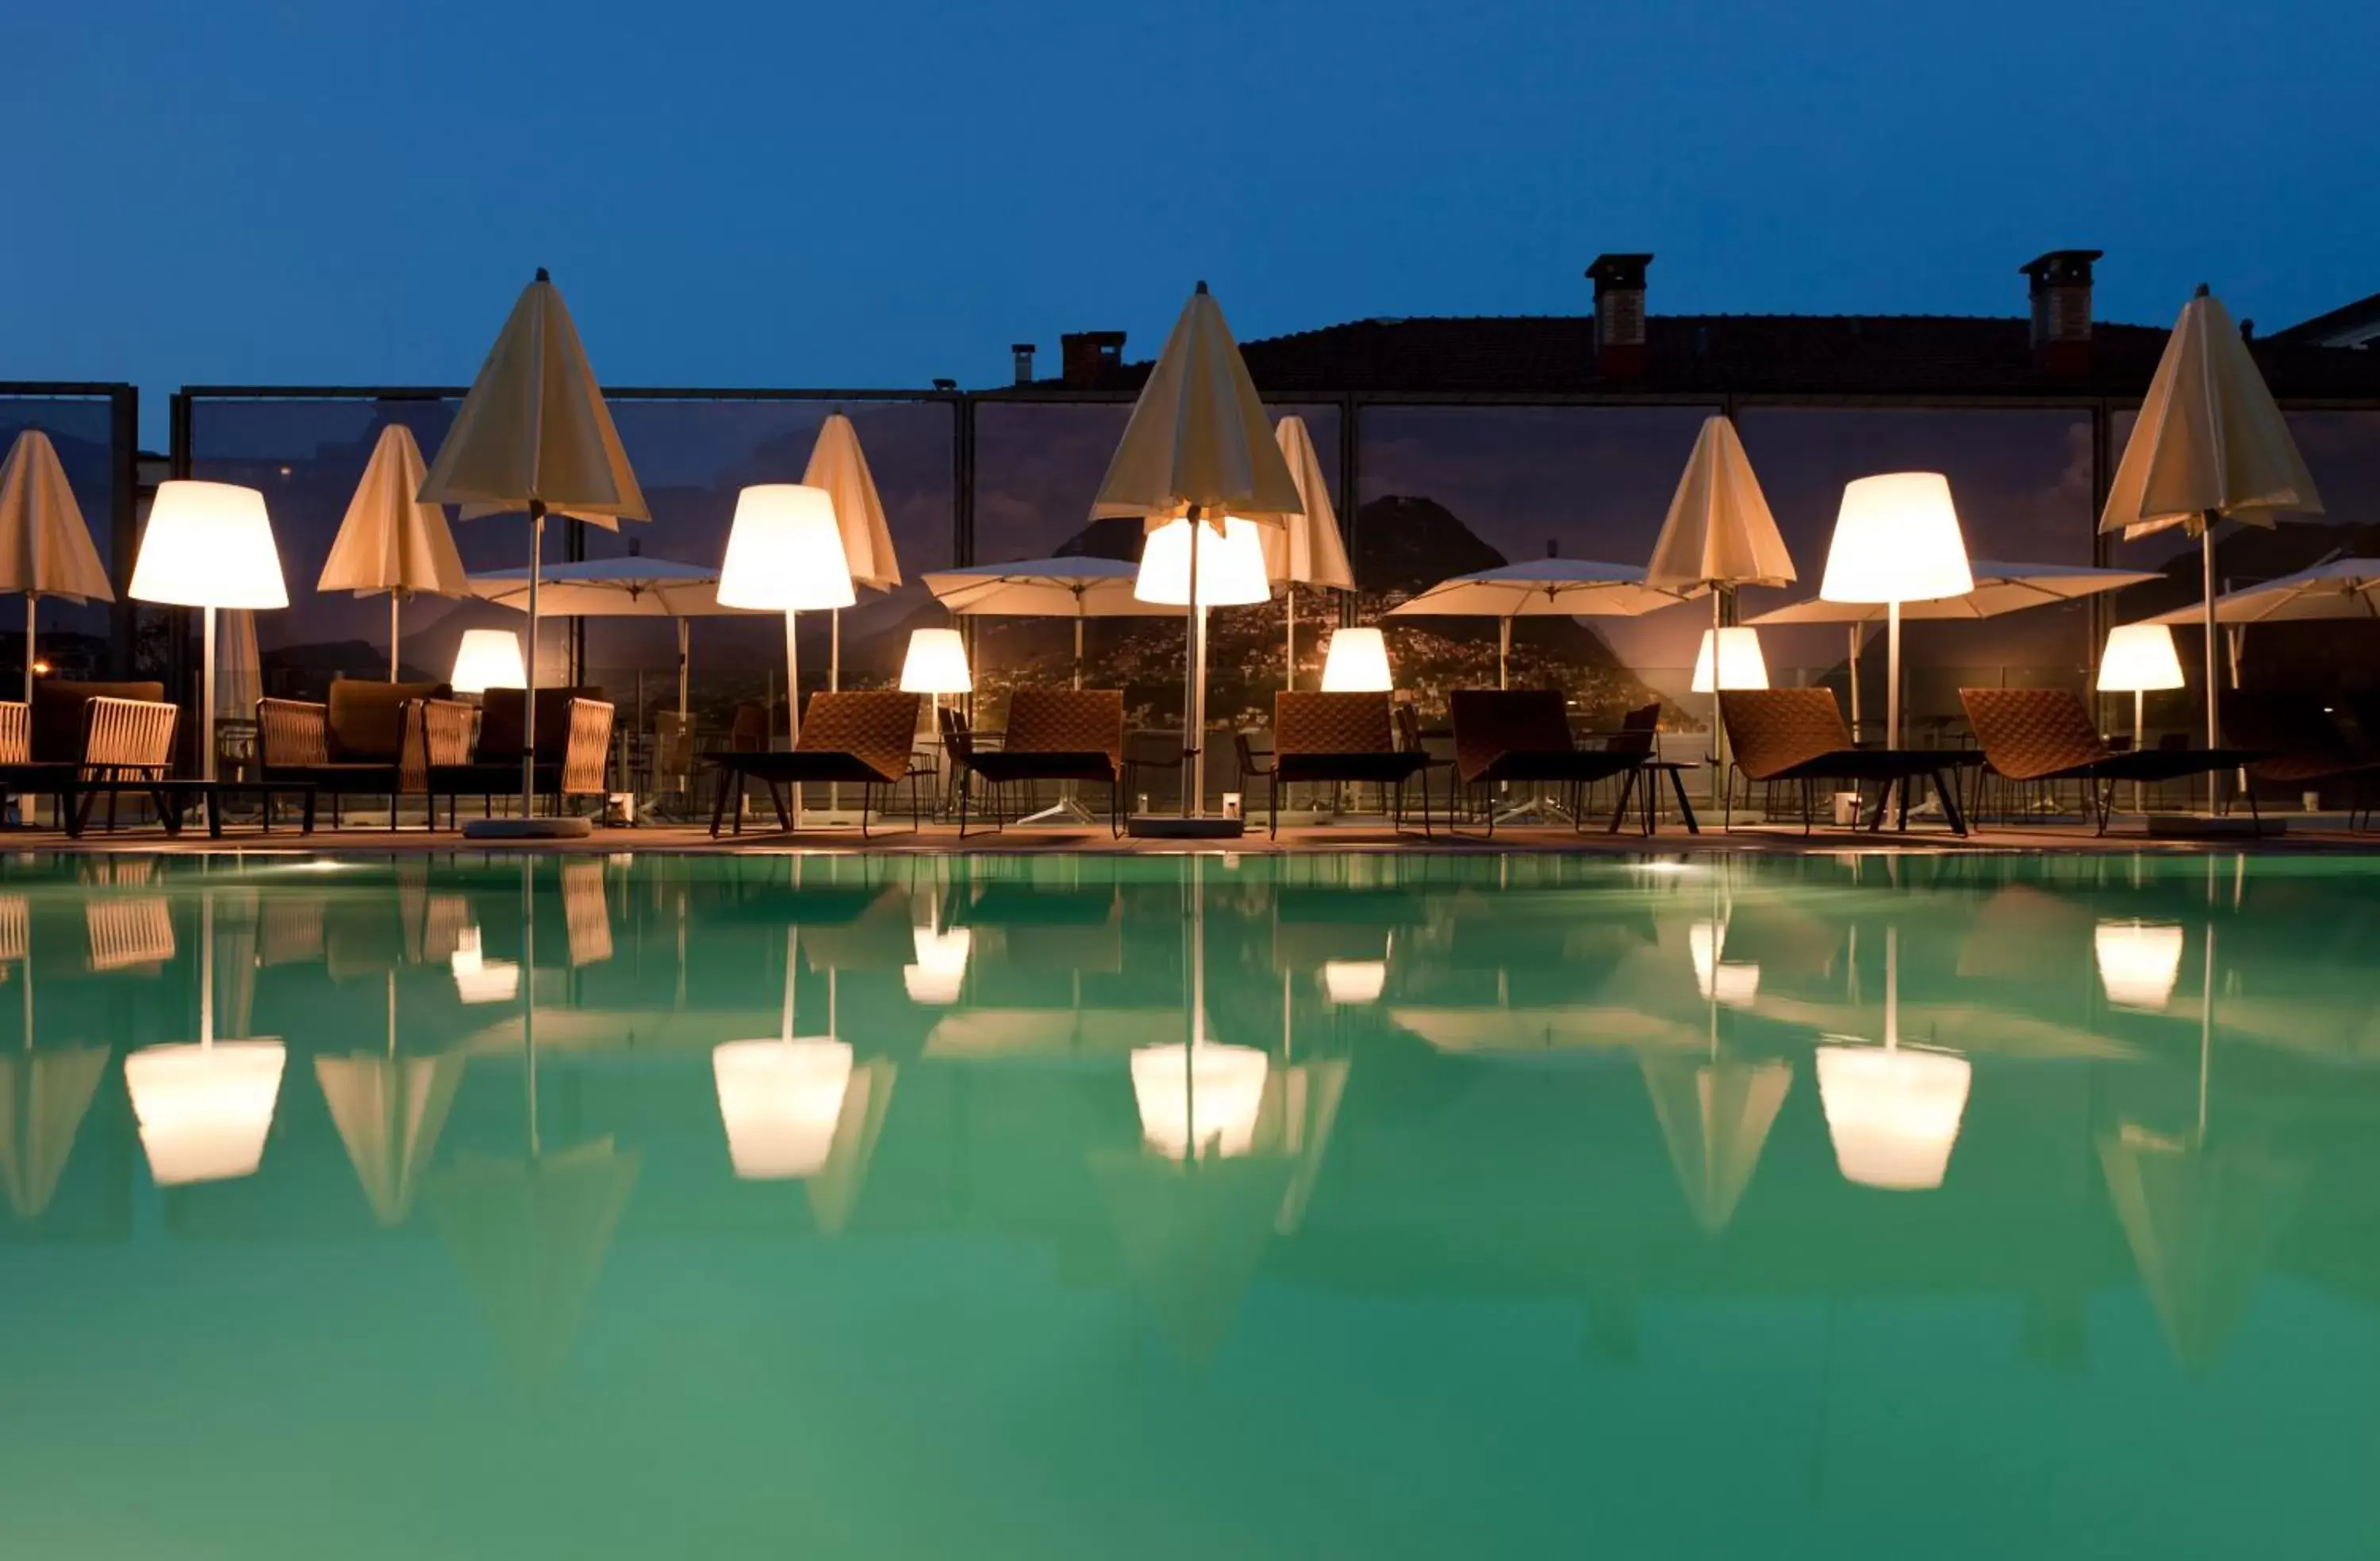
(1023, 346)
(1620, 271)
(2061, 265)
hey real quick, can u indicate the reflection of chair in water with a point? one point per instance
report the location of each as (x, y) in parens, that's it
(127, 933)
(587, 917)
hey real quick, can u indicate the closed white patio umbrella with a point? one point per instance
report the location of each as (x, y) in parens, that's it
(390, 541)
(840, 467)
(534, 435)
(45, 549)
(1539, 588)
(1307, 549)
(2210, 444)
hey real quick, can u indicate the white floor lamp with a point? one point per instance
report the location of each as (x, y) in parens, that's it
(209, 545)
(1896, 540)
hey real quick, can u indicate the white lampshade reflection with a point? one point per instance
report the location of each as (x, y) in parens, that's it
(1737, 984)
(1351, 983)
(1200, 1102)
(1739, 661)
(2139, 658)
(784, 551)
(1356, 662)
(476, 978)
(781, 1101)
(937, 664)
(204, 1110)
(941, 972)
(1893, 1113)
(1231, 566)
(1897, 538)
(2139, 962)
(487, 659)
(209, 544)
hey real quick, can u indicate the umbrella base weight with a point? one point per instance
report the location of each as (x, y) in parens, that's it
(1174, 826)
(525, 830)
(2219, 827)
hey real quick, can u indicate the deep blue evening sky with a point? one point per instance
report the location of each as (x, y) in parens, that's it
(883, 192)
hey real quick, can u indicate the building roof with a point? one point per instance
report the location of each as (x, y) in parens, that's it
(2349, 325)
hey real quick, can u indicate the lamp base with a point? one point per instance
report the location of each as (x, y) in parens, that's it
(525, 830)
(1174, 826)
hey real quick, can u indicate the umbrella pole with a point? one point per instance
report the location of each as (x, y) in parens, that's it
(1078, 650)
(29, 600)
(794, 705)
(528, 666)
(1288, 649)
(1503, 653)
(2214, 718)
(683, 625)
(392, 636)
(207, 697)
(1719, 719)
(1855, 682)
(834, 683)
(1194, 621)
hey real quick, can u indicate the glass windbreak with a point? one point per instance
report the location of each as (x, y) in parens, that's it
(71, 639)
(1371, 1206)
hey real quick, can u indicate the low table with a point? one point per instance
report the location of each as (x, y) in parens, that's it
(174, 798)
(1648, 795)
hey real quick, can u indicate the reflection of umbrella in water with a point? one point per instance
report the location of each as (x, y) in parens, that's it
(2201, 1216)
(389, 1111)
(43, 1095)
(531, 1235)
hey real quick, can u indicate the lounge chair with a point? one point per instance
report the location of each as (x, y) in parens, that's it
(363, 740)
(1523, 735)
(2040, 736)
(2305, 743)
(478, 752)
(1053, 735)
(1797, 735)
(861, 737)
(77, 739)
(1342, 739)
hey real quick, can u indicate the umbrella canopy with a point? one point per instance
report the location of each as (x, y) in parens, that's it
(391, 541)
(1199, 437)
(1719, 533)
(1715, 1118)
(2201, 1222)
(839, 466)
(534, 430)
(1999, 588)
(43, 1097)
(1044, 588)
(1542, 588)
(389, 1112)
(1307, 549)
(634, 586)
(45, 549)
(2344, 587)
(531, 1237)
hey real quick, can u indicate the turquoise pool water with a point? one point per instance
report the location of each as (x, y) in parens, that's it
(842, 1206)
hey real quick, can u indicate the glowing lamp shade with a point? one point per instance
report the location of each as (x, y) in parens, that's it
(2139, 660)
(1358, 662)
(487, 659)
(204, 1110)
(209, 544)
(941, 971)
(2139, 962)
(1730, 659)
(1893, 1113)
(1200, 1101)
(781, 1101)
(1736, 985)
(478, 979)
(784, 552)
(1353, 983)
(1231, 567)
(1897, 538)
(937, 664)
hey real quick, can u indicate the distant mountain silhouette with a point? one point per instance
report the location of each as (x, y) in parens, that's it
(1117, 537)
(1407, 543)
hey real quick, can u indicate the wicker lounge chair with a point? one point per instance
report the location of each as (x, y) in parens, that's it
(2306, 744)
(1797, 736)
(78, 739)
(364, 740)
(861, 737)
(1053, 735)
(478, 752)
(1336, 738)
(1523, 735)
(2040, 736)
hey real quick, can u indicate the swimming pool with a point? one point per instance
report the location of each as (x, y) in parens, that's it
(1302, 1206)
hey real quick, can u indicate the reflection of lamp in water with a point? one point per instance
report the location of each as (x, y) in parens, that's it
(1736, 985)
(941, 970)
(1892, 1112)
(2139, 962)
(1351, 983)
(1200, 1102)
(478, 979)
(781, 1099)
(204, 1110)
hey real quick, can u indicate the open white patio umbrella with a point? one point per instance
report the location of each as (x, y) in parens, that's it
(1199, 446)
(534, 435)
(1539, 588)
(2209, 443)
(2338, 587)
(2000, 588)
(1307, 549)
(1045, 587)
(390, 541)
(1719, 536)
(840, 467)
(634, 586)
(45, 549)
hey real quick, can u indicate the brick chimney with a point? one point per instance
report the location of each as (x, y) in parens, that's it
(1087, 359)
(2061, 312)
(1620, 315)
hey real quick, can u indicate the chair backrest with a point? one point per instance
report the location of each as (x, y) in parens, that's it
(16, 732)
(1638, 728)
(502, 730)
(749, 731)
(1408, 720)
(586, 749)
(129, 734)
(958, 735)
(673, 744)
(2029, 733)
(876, 726)
(367, 718)
(1066, 721)
(1492, 722)
(1771, 729)
(2291, 726)
(57, 717)
(1305, 721)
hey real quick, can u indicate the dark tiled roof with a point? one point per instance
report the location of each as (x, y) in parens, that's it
(1744, 353)
(2358, 317)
